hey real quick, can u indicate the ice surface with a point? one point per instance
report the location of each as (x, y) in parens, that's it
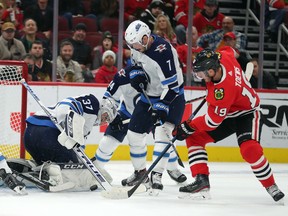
(235, 191)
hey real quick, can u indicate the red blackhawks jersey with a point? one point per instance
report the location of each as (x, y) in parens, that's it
(231, 97)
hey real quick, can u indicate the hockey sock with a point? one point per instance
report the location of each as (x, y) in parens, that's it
(252, 152)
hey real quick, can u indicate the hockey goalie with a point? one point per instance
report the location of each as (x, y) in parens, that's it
(55, 166)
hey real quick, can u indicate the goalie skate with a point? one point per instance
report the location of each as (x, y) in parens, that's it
(275, 193)
(10, 180)
(199, 189)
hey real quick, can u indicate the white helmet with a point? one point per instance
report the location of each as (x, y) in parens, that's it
(107, 106)
(136, 31)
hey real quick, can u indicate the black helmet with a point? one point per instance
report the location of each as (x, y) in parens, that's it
(205, 60)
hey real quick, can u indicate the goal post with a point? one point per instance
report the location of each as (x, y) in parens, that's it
(13, 111)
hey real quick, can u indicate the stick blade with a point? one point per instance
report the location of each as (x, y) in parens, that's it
(122, 192)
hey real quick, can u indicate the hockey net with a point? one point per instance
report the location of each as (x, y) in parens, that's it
(13, 109)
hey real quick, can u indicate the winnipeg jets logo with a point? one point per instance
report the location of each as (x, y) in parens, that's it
(122, 73)
(161, 48)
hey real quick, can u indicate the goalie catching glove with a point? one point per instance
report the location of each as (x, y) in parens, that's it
(73, 133)
(182, 131)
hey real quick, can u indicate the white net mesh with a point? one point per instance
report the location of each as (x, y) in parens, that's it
(11, 107)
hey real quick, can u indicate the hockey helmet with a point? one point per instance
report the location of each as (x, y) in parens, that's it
(135, 32)
(205, 60)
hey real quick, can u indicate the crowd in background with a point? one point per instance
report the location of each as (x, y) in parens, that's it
(88, 48)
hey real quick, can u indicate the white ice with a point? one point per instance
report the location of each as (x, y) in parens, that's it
(234, 191)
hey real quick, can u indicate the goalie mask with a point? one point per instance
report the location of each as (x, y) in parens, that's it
(107, 111)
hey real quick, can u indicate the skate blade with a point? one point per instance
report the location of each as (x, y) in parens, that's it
(20, 191)
(202, 195)
(281, 202)
(154, 192)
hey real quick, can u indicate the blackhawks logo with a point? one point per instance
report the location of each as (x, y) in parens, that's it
(219, 94)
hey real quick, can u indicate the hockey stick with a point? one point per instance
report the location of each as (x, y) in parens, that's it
(195, 99)
(122, 193)
(249, 70)
(79, 152)
(174, 148)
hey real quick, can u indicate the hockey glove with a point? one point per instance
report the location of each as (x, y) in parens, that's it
(159, 113)
(138, 79)
(117, 124)
(73, 132)
(182, 131)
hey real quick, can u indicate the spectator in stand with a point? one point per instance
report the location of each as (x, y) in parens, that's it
(10, 47)
(13, 14)
(107, 44)
(42, 13)
(163, 28)
(268, 81)
(182, 50)
(150, 14)
(243, 57)
(133, 9)
(1, 13)
(30, 61)
(43, 67)
(198, 5)
(104, 9)
(214, 40)
(275, 15)
(68, 70)
(107, 71)
(181, 17)
(209, 19)
(73, 8)
(30, 30)
(82, 50)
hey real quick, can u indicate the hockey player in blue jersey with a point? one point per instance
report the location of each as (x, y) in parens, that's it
(44, 142)
(117, 129)
(162, 80)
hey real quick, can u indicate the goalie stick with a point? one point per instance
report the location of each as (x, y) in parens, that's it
(122, 193)
(79, 152)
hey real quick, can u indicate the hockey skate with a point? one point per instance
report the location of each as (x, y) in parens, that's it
(135, 178)
(199, 189)
(155, 184)
(275, 193)
(10, 181)
(177, 176)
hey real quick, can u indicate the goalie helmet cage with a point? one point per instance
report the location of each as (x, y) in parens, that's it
(13, 109)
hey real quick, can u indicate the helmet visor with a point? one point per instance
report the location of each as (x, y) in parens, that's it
(200, 75)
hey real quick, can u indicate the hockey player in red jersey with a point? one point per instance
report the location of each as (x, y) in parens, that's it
(233, 107)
